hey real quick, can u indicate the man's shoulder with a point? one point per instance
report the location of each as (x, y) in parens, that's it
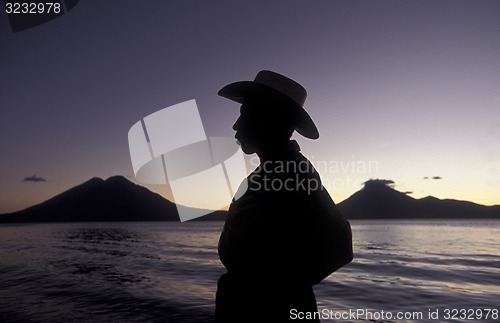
(304, 165)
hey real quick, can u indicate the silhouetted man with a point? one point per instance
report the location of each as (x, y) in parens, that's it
(284, 234)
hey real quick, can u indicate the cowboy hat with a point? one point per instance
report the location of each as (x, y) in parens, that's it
(269, 84)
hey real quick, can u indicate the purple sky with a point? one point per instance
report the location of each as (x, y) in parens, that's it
(401, 90)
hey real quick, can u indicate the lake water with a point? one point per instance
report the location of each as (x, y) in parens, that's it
(167, 272)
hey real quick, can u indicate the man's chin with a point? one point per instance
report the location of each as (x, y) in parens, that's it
(246, 149)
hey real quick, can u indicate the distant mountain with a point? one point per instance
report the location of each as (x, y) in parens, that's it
(113, 199)
(118, 199)
(378, 200)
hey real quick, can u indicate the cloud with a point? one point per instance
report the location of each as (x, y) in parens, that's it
(408, 192)
(34, 178)
(379, 182)
(434, 177)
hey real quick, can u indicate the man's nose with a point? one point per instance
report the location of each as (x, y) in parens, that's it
(236, 123)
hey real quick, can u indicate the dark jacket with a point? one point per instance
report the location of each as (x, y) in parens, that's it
(281, 237)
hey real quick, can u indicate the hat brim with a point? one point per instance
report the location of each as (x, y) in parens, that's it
(242, 90)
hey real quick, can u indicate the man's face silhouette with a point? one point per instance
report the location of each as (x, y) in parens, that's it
(248, 128)
(262, 127)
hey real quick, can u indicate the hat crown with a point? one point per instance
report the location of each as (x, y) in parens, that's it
(284, 85)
